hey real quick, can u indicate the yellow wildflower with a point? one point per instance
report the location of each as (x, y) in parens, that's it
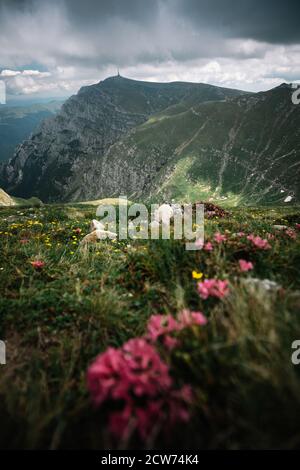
(197, 275)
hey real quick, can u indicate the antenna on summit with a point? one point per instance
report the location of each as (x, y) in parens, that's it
(118, 75)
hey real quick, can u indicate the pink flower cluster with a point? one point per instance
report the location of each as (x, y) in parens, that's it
(161, 326)
(136, 369)
(259, 242)
(213, 288)
(245, 265)
(165, 411)
(219, 238)
(138, 380)
(208, 246)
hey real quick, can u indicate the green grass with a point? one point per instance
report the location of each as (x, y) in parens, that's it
(57, 319)
(229, 149)
(31, 202)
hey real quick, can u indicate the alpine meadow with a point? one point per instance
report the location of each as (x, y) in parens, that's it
(149, 227)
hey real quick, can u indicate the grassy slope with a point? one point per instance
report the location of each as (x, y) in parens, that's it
(6, 200)
(245, 149)
(56, 320)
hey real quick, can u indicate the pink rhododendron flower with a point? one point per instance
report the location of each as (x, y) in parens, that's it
(136, 369)
(259, 242)
(163, 325)
(159, 325)
(241, 234)
(133, 375)
(38, 264)
(104, 376)
(147, 374)
(219, 238)
(213, 288)
(245, 265)
(208, 246)
(297, 226)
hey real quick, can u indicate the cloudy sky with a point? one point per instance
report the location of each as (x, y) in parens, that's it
(52, 47)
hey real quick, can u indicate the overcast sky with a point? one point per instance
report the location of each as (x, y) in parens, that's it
(52, 47)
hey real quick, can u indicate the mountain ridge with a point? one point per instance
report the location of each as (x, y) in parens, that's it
(87, 125)
(18, 122)
(162, 140)
(230, 157)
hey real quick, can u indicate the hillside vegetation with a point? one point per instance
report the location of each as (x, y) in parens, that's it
(244, 151)
(226, 378)
(6, 200)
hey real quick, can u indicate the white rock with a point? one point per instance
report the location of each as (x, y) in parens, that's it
(262, 284)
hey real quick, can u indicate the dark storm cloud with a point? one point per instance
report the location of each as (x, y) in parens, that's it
(94, 12)
(272, 21)
(228, 42)
(264, 20)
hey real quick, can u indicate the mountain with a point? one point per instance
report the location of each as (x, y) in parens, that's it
(58, 161)
(18, 122)
(162, 140)
(243, 150)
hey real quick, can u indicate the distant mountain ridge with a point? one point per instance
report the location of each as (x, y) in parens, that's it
(18, 122)
(162, 140)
